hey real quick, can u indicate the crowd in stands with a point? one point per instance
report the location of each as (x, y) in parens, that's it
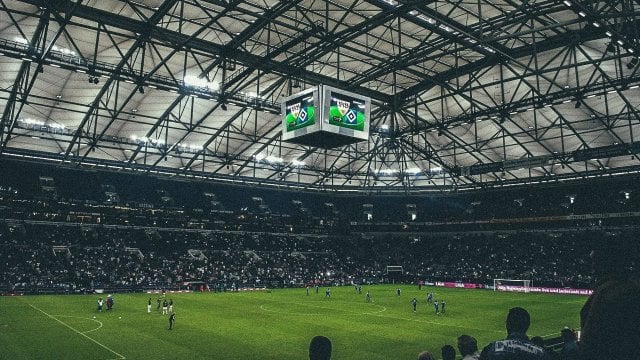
(69, 257)
(46, 193)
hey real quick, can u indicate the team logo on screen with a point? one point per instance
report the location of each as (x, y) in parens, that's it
(351, 117)
(302, 115)
(295, 110)
(343, 106)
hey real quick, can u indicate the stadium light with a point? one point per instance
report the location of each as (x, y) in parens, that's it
(273, 159)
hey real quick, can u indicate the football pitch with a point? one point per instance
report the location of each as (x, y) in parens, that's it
(268, 325)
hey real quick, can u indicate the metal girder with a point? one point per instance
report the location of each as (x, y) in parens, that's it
(243, 57)
(545, 45)
(23, 83)
(458, 59)
(157, 16)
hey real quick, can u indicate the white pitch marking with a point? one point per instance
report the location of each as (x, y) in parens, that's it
(121, 357)
(80, 317)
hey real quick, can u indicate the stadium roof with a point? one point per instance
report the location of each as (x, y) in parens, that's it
(465, 94)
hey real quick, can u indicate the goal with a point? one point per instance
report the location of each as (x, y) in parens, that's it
(512, 285)
(391, 269)
(395, 273)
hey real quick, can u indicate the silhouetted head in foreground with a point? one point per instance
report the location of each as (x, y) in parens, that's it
(320, 348)
(467, 345)
(448, 352)
(425, 355)
(518, 321)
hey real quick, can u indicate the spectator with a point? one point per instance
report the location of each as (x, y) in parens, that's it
(610, 316)
(425, 355)
(538, 340)
(320, 348)
(569, 349)
(517, 345)
(468, 347)
(611, 327)
(448, 352)
(612, 260)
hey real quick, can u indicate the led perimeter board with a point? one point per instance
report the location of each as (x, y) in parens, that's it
(325, 117)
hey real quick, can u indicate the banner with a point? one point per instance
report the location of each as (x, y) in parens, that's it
(545, 290)
(533, 289)
(458, 285)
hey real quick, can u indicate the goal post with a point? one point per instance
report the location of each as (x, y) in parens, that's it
(395, 273)
(516, 285)
(395, 269)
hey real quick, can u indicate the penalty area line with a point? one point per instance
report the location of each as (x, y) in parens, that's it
(120, 357)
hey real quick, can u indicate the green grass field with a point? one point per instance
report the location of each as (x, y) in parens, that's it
(268, 325)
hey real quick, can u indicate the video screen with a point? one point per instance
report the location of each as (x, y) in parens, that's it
(347, 111)
(300, 112)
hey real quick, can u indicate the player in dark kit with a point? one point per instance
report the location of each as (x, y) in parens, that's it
(414, 302)
(172, 319)
(165, 307)
(435, 304)
(430, 297)
(442, 304)
(327, 293)
(109, 302)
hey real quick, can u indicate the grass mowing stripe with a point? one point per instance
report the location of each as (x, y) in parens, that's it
(377, 313)
(437, 323)
(79, 332)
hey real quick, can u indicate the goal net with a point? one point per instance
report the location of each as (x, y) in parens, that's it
(395, 273)
(395, 269)
(511, 285)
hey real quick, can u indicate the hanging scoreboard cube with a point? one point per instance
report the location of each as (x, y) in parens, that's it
(325, 117)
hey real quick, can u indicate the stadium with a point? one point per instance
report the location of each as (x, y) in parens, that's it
(196, 179)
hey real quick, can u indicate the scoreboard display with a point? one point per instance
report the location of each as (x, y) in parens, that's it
(300, 112)
(325, 117)
(347, 111)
